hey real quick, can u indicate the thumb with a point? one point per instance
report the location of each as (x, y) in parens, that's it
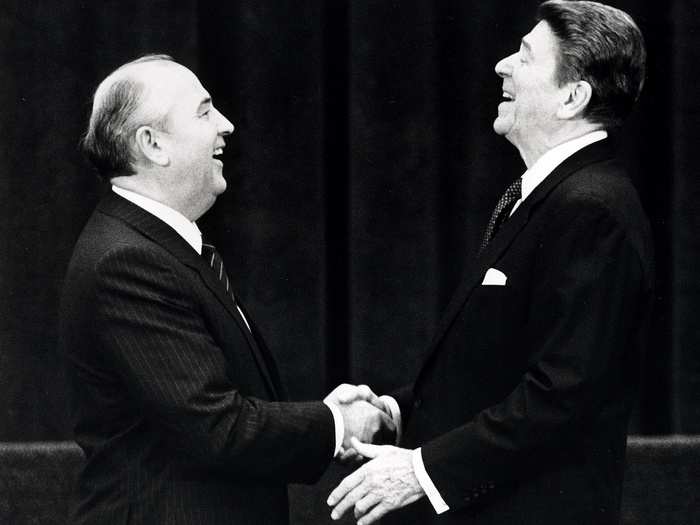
(342, 394)
(366, 449)
(366, 393)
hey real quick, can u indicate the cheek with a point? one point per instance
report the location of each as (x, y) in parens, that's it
(536, 103)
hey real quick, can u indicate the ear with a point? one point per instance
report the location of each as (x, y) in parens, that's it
(148, 142)
(578, 96)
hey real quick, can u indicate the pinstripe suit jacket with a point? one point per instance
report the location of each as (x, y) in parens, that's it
(176, 404)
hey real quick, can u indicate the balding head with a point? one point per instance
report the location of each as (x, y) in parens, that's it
(132, 96)
(154, 130)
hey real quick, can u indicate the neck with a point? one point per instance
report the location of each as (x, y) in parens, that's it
(147, 185)
(531, 151)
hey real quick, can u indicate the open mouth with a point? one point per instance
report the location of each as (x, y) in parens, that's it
(217, 153)
(507, 97)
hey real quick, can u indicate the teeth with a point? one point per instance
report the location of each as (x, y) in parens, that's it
(507, 96)
(218, 151)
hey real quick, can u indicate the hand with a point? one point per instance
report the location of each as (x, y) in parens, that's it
(345, 393)
(365, 416)
(367, 423)
(384, 484)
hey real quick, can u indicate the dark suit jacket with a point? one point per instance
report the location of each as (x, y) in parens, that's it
(522, 406)
(176, 404)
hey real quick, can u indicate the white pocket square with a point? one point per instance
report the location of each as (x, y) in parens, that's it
(494, 277)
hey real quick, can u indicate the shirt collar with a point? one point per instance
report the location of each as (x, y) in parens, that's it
(187, 229)
(555, 156)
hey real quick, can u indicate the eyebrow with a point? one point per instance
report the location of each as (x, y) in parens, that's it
(527, 46)
(205, 102)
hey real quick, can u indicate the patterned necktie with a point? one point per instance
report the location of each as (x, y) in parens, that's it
(217, 264)
(512, 194)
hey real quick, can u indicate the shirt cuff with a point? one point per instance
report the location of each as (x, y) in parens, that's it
(427, 484)
(395, 413)
(339, 427)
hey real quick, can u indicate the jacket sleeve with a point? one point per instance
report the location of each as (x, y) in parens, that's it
(584, 313)
(158, 341)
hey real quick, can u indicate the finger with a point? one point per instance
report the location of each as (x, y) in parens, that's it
(349, 501)
(379, 403)
(366, 393)
(333, 394)
(349, 456)
(375, 514)
(365, 504)
(366, 449)
(345, 486)
(346, 393)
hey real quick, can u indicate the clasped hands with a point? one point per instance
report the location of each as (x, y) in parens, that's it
(387, 482)
(365, 417)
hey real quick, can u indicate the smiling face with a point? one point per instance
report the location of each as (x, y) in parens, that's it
(192, 138)
(528, 115)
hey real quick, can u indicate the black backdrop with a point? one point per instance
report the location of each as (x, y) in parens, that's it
(361, 174)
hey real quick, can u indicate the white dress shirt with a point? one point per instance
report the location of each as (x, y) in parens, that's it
(531, 179)
(550, 160)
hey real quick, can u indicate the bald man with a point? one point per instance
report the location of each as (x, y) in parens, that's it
(177, 402)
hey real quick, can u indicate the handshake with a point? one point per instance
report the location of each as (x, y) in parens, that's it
(365, 416)
(388, 480)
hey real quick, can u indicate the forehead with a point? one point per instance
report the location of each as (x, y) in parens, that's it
(171, 86)
(541, 41)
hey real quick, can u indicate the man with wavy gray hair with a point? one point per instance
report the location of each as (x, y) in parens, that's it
(520, 412)
(176, 400)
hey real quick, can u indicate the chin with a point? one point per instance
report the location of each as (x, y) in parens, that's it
(219, 185)
(505, 126)
(500, 127)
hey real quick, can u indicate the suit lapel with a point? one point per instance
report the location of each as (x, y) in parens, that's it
(476, 268)
(163, 235)
(275, 379)
(262, 355)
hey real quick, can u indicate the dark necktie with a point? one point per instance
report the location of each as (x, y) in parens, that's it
(214, 260)
(505, 204)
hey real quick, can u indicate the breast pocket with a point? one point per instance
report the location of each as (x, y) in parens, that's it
(494, 315)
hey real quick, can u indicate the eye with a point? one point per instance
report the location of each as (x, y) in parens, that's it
(205, 114)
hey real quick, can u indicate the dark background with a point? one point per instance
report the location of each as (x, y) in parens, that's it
(361, 174)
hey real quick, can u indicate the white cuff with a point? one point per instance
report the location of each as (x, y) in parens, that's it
(395, 413)
(339, 426)
(427, 484)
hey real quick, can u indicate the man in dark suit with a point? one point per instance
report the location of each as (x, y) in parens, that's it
(520, 412)
(177, 402)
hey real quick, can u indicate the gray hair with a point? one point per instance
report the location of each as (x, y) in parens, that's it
(117, 113)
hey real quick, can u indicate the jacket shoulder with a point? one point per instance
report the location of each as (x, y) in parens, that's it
(603, 190)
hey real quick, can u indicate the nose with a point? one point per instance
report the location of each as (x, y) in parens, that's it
(503, 67)
(225, 126)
